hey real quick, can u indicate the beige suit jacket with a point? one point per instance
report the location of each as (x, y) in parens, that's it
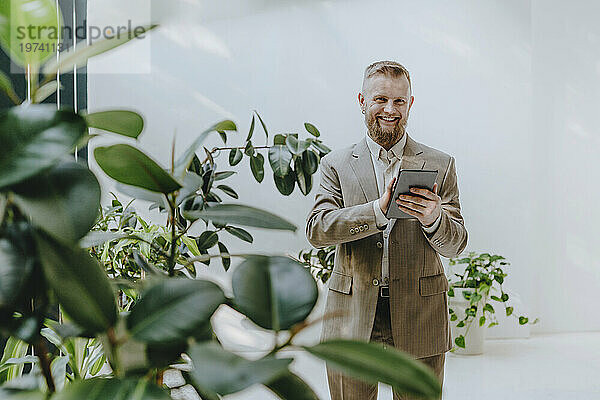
(343, 216)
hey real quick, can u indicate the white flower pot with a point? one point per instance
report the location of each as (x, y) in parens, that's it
(473, 333)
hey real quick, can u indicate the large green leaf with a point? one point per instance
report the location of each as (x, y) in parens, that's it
(219, 176)
(279, 158)
(262, 123)
(286, 184)
(172, 309)
(7, 87)
(310, 128)
(219, 371)
(207, 239)
(58, 368)
(129, 165)
(240, 233)
(191, 183)
(290, 387)
(162, 355)
(13, 348)
(279, 139)
(228, 191)
(310, 161)
(96, 238)
(18, 394)
(274, 292)
(46, 91)
(63, 201)
(303, 178)
(257, 167)
(80, 55)
(251, 130)
(249, 149)
(317, 144)
(79, 283)
(372, 363)
(183, 162)
(235, 156)
(296, 146)
(225, 256)
(237, 214)
(34, 138)
(29, 30)
(15, 268)
(143, 194)
(123, 122)
(112, 388)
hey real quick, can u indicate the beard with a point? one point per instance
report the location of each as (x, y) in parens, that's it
(385, 139)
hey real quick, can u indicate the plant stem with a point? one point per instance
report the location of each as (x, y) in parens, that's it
(238, 147)
(171, 263)
(296, 329)
(13, 97)
(42, 352)
(206, 257)
(159, 377)
(3, 209)
(114, 361)
(234, 147)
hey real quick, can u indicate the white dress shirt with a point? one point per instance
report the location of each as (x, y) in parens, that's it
(386, 165)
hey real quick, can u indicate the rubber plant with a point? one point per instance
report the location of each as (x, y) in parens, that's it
(48, 204)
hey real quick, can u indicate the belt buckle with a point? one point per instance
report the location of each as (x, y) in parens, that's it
(384, 291)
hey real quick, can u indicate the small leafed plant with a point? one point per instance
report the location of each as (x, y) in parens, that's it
(318, 261)
(483, 273)
(48, 205)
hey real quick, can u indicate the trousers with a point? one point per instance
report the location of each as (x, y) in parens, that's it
(342, 387)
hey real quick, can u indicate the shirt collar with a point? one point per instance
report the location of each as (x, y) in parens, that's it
(379, 152)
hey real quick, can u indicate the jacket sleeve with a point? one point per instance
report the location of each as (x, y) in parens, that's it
(450, 238)
(329, 222)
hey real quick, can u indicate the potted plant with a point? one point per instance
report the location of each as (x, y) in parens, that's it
(468, 300)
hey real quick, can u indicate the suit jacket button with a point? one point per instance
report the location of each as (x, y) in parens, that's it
(375, 282)
(379, 245)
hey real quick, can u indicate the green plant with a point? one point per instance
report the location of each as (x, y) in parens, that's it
(319, 261)
(483, 273)
(49, 203)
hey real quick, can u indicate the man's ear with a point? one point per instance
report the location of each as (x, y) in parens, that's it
(412, 100)
(361, 100)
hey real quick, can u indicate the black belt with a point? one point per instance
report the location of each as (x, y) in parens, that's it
(384, 291)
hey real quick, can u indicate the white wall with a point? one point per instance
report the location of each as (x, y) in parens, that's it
(504, 104)
(566, 96)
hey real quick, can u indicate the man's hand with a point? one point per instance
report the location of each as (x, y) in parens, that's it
(384, 200)
(427, 209)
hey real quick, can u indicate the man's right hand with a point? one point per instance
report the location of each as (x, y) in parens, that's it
(384, 200)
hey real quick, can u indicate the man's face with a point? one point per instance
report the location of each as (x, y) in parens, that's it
(387, 102)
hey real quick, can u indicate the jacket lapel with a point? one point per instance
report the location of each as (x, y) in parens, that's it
(362, 165)
(413, 157)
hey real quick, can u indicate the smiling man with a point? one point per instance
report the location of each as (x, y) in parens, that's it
(388, 283)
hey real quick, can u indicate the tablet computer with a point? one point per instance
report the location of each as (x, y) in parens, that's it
(406, 179)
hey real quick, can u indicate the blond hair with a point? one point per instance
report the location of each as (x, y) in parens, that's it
(390, 68)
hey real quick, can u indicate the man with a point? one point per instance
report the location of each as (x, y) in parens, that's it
(388, 284)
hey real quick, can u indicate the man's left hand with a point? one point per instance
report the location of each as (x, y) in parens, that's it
(426, 208)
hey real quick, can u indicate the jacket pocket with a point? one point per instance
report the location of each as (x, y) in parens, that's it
(433, 284)
(340, 282)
